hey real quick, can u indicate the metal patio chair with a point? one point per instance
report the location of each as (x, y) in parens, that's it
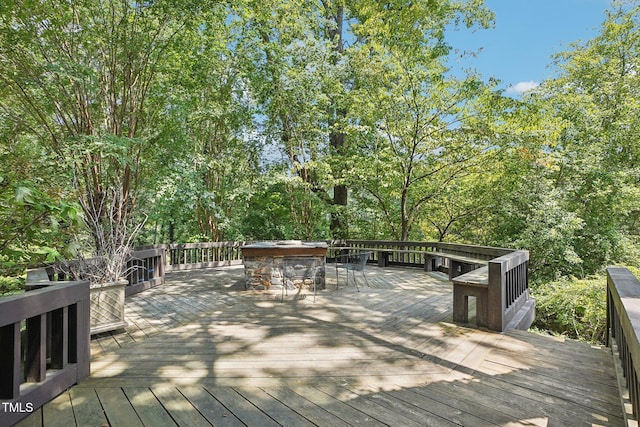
(352, 262)
(292, 270)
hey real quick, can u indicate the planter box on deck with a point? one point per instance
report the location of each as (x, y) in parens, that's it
(107, 306)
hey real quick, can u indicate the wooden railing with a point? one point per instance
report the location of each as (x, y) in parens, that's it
(510, 305)
(506, 290)
(187, 256)
(412, 255)
(44, 346)
(623, 327)
(409, 258)
(145, 269)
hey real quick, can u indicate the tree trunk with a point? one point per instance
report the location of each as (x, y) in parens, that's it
(339, 226)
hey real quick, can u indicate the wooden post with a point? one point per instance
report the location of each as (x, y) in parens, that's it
(10, 361)
(79, 338)
(496, 296)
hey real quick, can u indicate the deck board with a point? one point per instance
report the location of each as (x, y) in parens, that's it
(147, 406)
(200, 350)
(86, 407)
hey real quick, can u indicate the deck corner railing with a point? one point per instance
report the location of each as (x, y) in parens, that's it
(145, 269)
(623, 327)
(511, 306)
(44, 342)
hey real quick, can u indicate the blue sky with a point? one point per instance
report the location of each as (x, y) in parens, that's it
(527, 33)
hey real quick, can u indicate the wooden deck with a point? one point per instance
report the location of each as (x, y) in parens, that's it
(201, 351)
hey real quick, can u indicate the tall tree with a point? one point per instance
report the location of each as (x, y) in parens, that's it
(78, 75)
(595, 161)
(312, 60)
(412, 112)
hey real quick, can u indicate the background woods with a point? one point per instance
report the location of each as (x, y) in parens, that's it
(186, 121)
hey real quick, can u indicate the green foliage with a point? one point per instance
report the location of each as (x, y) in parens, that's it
(11, 285)
(35, 227)
(284, 209)
(292, 119)
(575, 308)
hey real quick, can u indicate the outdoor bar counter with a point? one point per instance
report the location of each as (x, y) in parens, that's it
(265, 263)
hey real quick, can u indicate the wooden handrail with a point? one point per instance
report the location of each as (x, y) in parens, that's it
(623, 327)
(56, 321)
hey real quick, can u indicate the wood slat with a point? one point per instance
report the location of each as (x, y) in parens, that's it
(309, 410)
(117, 408)
(181, 410)
(86, 407)
(214, 411)
(59, 412)
(148, 407)
(243, 409)
(279, 411)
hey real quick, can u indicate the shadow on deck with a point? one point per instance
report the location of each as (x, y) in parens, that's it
(202, 351)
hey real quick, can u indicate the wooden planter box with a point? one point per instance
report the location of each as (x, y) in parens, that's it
(107, 307)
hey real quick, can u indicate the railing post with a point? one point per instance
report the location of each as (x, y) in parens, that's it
(79, 337)
(496, 296)
(10, 361)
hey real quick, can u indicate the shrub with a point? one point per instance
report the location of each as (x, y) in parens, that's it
(11, 285)
(575, 308)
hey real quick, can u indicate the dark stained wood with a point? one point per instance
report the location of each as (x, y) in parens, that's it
(35, 364)
(623, 327)
(10, 361)
(59, 338)
(214, 354)
(44, 312)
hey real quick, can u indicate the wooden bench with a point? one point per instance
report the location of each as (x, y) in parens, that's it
(383, 254)
(458, 264)
(471, 284)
